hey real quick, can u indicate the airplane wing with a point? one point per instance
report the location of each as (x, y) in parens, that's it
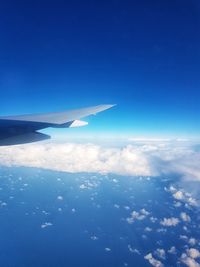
(23, 128)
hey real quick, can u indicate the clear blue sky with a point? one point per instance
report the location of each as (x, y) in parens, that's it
(142, 55)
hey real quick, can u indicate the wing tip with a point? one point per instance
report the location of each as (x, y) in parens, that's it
(107, 106)
(102, 107)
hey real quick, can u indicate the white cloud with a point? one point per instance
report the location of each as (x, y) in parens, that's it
(72, 157)
(193, 253)
(59, 197)
(94, 237)
(192, 241)
(153, 219)
(183, 237)
(169, 221)
(144, 212)
(182, 196)
(191, 201)
(160, 253)
(161, 230)
(189, 257)
(149, 140)
(141, 215)
(133, 250)
(185, 228)
(177, 204)
(3, 204)
(82, 186)
(172, 250)
(185, 217)
(153, 261)
(46, 224)
(189, 261)
(147, 229)
(178, 195)
(144, 159)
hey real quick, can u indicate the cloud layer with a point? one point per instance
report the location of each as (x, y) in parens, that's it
(133, 159)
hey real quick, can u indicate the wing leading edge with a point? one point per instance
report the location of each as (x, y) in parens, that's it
(23, 128)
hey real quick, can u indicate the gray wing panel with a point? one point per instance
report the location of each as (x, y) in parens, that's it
(24, 138)
(59, 117)
(10, 128)
(23, 129)
(21, 132)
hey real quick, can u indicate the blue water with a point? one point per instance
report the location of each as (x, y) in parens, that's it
(60, 219)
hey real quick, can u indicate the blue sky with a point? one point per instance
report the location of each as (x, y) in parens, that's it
(144, 56)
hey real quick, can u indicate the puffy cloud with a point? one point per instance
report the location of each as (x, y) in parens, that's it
(169, 221)
(185, 217)
(160, 253)
(172, 250)
(192, 241)
(59, 197)
(94, 237)
(153, 219)
(178, 195)
(193, 253)
(72, 157)
(177, 204)
(189, 261)
(189, 258)
(182, 196)
(145, 159)
(144, 212)
(46, 224)
(141, 215)
(153, 261)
